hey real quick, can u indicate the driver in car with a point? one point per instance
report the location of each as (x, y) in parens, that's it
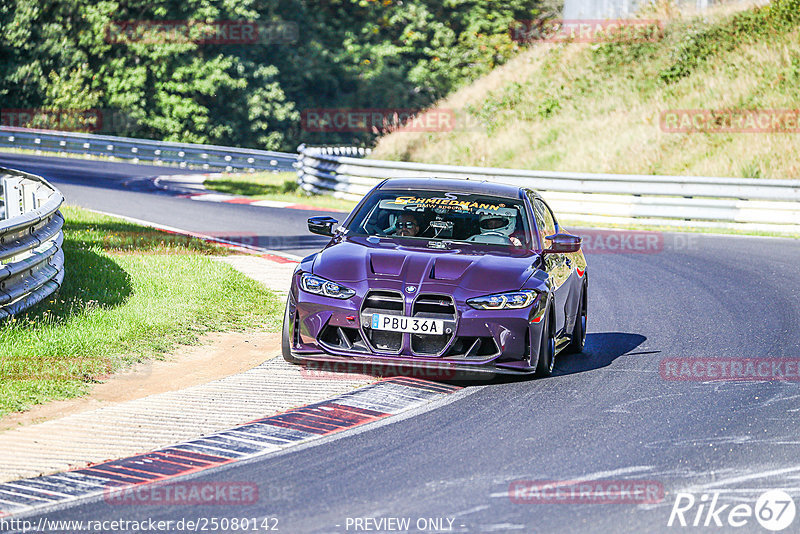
(499, 227)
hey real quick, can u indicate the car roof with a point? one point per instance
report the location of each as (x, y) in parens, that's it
(454, 185)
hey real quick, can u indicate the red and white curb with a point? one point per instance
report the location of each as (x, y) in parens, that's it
(373, 402)
(191, 186)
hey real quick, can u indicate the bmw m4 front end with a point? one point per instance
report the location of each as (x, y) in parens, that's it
(450, 276)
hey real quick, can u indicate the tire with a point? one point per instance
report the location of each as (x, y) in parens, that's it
(547, 348)
(286, 338)
(579, 330)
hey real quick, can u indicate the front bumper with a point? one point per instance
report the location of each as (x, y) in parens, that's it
(336, 332)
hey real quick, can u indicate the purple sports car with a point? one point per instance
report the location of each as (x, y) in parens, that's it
(450, 275)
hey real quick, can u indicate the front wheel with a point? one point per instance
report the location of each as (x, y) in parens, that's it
(547, 348)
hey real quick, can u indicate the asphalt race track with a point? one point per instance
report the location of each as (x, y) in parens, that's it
(607, 414)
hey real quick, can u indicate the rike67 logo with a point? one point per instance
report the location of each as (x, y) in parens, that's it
(774, 510)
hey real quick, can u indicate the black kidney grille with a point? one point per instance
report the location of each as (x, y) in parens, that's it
(433, 307)
(387, 303)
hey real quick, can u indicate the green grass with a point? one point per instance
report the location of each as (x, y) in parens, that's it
(130, 293)
(274, 186)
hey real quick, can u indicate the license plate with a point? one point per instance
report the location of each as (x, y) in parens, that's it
(412, 325)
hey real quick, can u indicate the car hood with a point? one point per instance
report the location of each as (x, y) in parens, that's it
(470, 267)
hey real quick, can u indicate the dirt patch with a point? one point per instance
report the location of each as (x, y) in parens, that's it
(218, 356)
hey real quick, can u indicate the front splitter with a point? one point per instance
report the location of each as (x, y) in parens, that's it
(321, 362)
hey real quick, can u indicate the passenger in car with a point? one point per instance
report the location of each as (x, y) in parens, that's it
(407, 225)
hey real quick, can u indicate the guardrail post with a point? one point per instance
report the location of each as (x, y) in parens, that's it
(12, 197)
(28, 195)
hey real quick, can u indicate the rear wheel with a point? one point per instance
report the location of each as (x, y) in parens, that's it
(579, 330)
(547, 348)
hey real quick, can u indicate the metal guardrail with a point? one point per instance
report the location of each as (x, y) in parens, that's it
(146, 151)
(675, 201)
(31, 237)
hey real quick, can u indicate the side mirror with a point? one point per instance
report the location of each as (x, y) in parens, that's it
(563, 244)
(322, 225)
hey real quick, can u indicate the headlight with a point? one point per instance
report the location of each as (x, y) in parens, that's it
(514, 300)
(320, 286)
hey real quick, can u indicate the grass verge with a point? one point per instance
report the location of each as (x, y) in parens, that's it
(130, 293)
(281, 186)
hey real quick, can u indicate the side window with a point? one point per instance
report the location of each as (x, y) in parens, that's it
(550, 223)
(547, 226)
(539, 216)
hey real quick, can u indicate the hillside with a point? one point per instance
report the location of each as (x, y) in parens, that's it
(599, 107)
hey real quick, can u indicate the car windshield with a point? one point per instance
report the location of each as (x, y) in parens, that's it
(443, 216)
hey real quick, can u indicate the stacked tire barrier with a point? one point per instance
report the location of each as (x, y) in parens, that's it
(615, 199)
(31, 240)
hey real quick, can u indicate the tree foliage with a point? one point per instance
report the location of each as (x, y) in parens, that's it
(58, 54)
